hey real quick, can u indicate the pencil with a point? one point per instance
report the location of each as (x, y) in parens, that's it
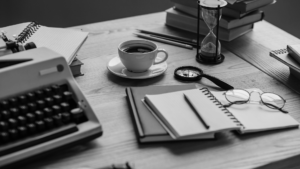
(197, 113)
(164, 40)
(194, 41)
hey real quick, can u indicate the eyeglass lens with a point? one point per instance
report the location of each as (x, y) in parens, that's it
(271, 100)
(239, 96)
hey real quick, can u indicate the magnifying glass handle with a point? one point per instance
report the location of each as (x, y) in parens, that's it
(218, 82)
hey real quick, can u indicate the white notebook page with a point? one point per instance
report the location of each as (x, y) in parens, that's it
(255, 116)
(175, 112)
(63, 41)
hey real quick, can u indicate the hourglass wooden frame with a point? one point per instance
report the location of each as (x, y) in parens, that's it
(218, 58)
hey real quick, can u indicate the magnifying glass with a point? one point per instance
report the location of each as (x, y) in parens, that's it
(191, 73)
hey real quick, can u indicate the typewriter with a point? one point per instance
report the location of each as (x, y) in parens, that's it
(42, 109)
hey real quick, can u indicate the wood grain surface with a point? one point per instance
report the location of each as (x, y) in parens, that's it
(106, 94)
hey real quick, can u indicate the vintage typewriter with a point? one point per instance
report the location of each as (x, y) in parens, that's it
(42, 109)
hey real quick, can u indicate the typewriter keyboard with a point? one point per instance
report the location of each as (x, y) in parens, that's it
(38, 116)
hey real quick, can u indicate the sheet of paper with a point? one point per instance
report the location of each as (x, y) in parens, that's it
(63, 41)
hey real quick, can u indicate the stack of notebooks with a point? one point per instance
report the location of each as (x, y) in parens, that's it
(290, 57)
(237, 19)
(66, 42)
(183, 112)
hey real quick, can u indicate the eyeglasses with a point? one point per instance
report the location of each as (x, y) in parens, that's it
(240, 96)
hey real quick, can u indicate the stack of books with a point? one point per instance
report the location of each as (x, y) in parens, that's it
(237, 19)
(75, 67)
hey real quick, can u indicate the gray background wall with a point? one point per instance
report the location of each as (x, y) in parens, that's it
(65, 13)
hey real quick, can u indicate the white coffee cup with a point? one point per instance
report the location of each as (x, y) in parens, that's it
(139, 55)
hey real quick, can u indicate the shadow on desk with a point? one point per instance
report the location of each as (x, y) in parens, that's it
(191, 146)
(223, 139)
(62, 155)
(289, 163)
(137, 82)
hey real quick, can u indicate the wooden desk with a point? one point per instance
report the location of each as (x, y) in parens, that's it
(229, 151)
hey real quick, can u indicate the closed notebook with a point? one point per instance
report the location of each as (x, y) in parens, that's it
(148, 128)
(63, 41)
(182, 121)
(284, 57)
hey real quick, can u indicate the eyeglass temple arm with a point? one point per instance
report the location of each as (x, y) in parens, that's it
(228, 105)
(236, 102)
(218, 82)
(239, 102)
(271, 105)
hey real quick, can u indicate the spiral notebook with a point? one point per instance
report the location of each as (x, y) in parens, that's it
(282, 55)
(187, 120)
(63, 41)
(179, 118)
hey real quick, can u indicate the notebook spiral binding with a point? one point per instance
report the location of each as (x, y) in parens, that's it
(28, 32)
(279, 51)
(219, 104)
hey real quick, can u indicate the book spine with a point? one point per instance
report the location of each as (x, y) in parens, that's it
(188, 23)
(219, 104)
(193, 11)
(138, 127)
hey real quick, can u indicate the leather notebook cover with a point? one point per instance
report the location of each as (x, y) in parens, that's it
(145, 123)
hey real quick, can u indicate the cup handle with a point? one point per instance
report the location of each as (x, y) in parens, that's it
(166, 56)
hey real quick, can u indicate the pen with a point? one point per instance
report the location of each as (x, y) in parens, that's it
(164, 40)
(193, 41)
(127, 165)
(197, 113)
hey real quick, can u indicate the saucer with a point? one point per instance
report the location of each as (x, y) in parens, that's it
(116, 67)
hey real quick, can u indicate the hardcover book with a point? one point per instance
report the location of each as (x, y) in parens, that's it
(188, 23)
(76, 67)
(248, 5)
(226, 11)
(226, 21)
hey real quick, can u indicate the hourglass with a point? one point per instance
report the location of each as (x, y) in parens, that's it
(211, 12)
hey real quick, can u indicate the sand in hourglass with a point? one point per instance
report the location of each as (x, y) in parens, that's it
(208, 50)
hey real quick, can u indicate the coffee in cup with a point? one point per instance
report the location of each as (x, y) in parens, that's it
(139, 55)
(138, 49)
